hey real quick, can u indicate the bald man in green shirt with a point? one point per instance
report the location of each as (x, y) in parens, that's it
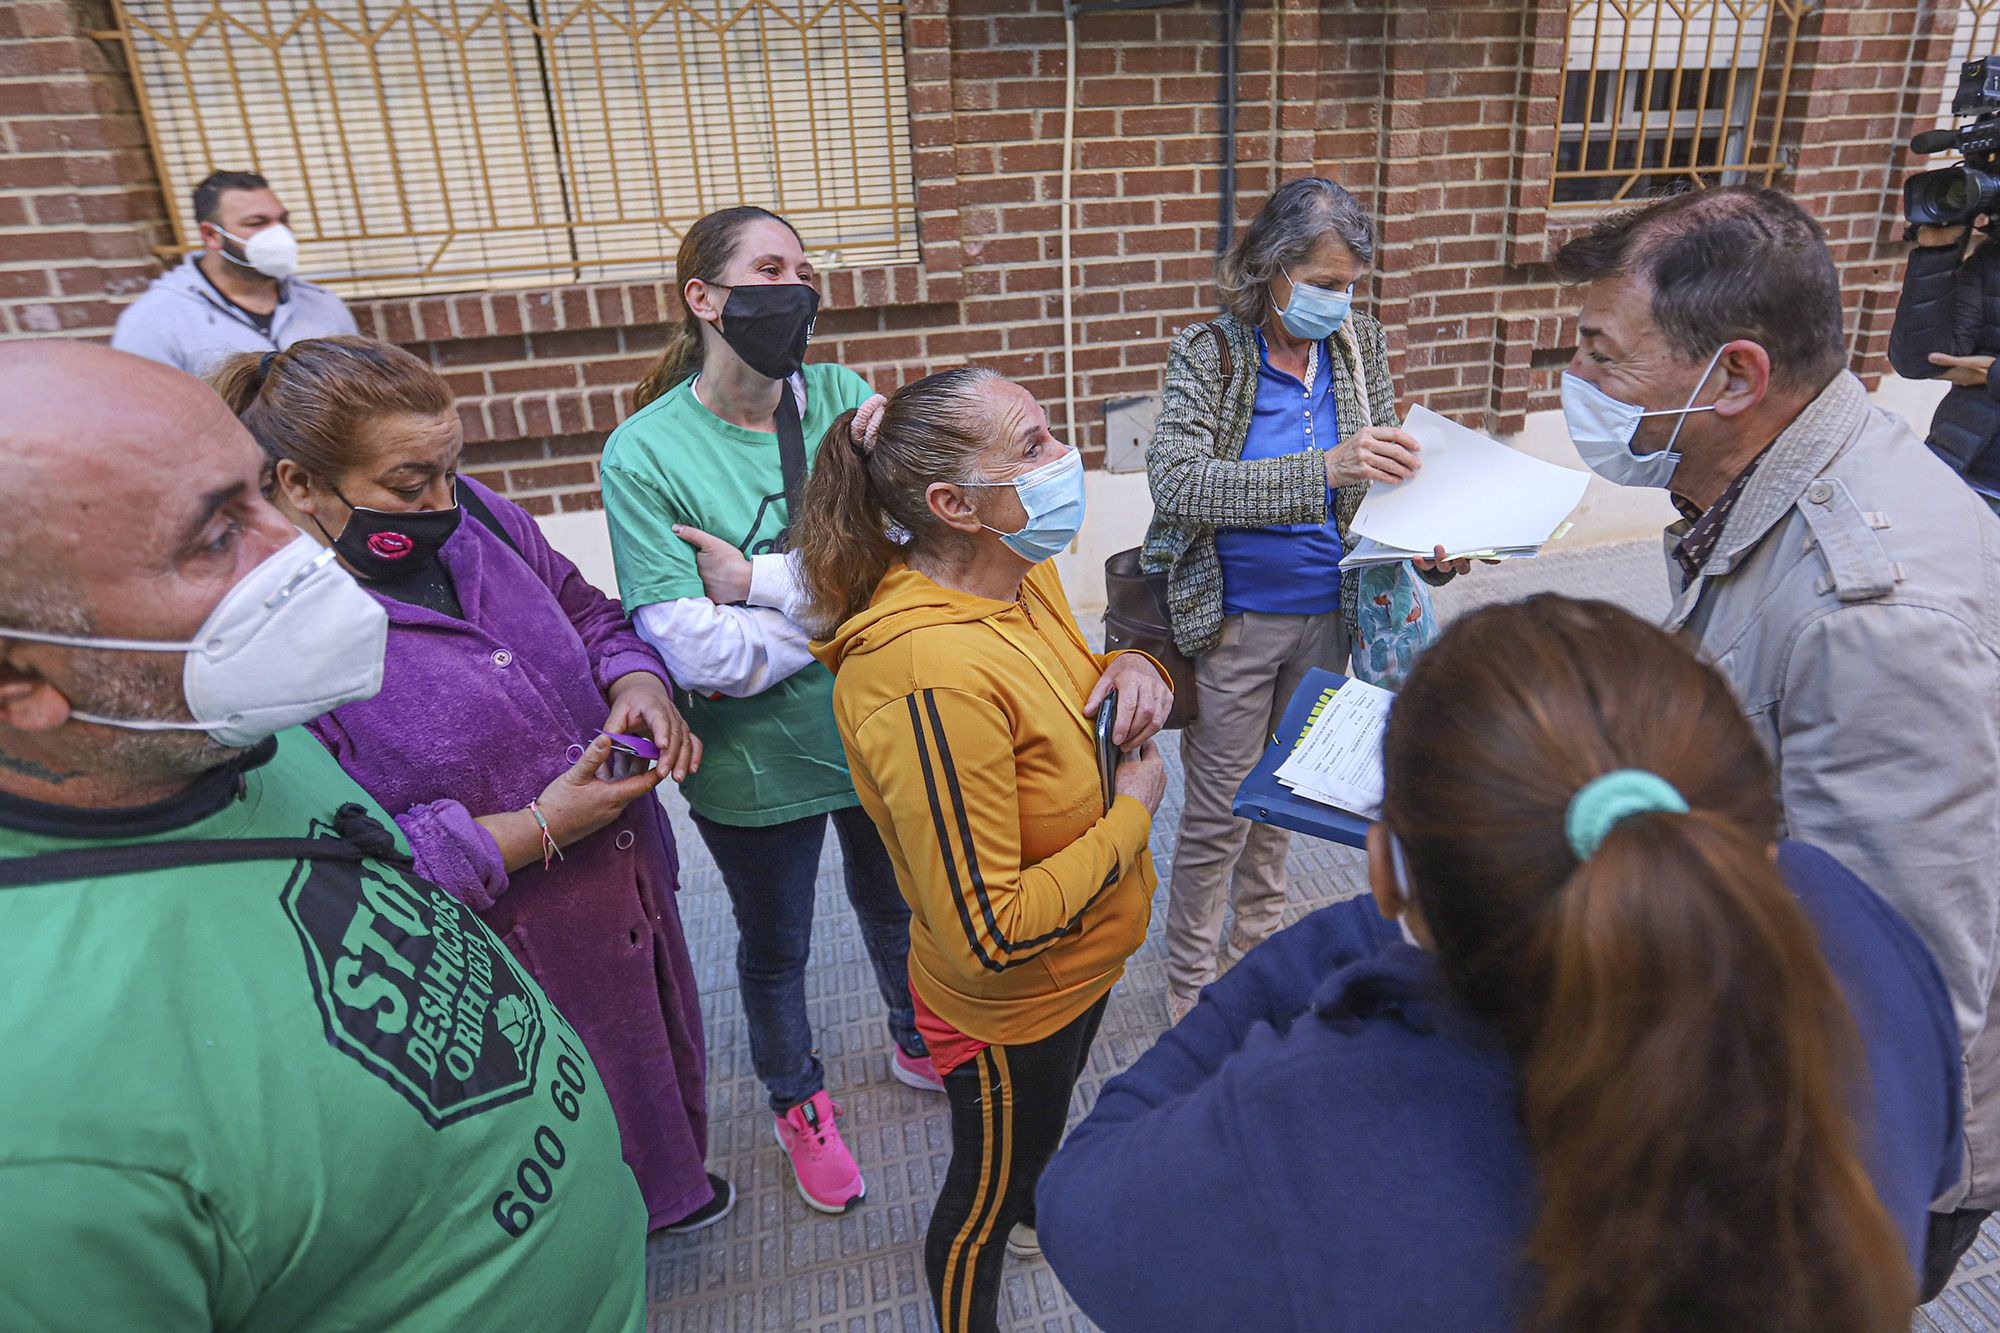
(257, 1073)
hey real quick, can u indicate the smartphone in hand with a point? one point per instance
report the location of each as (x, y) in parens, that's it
(1107, 749)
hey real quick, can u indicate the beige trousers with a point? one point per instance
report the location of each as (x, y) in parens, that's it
(1243, 685)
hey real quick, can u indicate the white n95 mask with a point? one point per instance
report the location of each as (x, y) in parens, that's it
(1602, 428)
(273, 252)
(295, 638)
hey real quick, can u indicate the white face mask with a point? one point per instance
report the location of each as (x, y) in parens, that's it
(1602, 428)
(1399, 868)
(273, 252)
(295, 638)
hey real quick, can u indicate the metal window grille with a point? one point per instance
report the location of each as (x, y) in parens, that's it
(447, 145)
(1662, 94)
(1977, 34)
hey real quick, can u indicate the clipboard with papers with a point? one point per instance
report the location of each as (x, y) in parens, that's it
(1322, 774)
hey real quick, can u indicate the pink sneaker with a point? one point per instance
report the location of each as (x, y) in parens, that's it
(828, 1178)
(915, 1071)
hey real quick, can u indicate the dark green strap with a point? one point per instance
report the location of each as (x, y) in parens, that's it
(358, 838)
(138, 858)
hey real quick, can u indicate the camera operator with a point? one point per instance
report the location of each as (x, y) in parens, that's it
(1948, 324)
(1948, 317)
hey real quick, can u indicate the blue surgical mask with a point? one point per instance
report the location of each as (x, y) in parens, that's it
(1052, 495)
(1313, 312)
(1602, 428)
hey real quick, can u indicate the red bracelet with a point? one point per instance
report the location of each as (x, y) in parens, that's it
(549, 849)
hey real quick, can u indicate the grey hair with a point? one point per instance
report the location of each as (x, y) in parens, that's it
(1291, 225)
(1733, 262)
(938, 428)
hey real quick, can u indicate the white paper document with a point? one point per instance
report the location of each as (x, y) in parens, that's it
(1367, 551)
(1338, 761)
(1473, 496)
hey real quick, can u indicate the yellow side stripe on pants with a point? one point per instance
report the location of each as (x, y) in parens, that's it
(996, 1161)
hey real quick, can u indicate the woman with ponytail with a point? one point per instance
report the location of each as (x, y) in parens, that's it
(1609, 1058)
(719, 415)
(966, 699)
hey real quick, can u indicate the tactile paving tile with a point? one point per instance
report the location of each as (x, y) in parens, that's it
(1971, 1304)
(775, 1264)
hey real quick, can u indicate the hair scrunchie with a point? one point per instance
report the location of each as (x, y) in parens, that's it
(1604, 802)
(868, 421)
(264, 364)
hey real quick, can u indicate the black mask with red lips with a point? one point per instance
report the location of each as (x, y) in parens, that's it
(383, 544)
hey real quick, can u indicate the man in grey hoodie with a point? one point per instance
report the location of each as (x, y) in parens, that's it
(236, 293)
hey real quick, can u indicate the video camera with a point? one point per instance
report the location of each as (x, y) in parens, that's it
(1954, 196)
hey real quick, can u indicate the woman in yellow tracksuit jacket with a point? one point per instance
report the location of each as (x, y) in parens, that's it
(965, 696)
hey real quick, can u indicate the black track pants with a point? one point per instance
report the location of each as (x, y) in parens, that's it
(1008, 1107)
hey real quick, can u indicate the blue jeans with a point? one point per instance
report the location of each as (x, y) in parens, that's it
(770, 874)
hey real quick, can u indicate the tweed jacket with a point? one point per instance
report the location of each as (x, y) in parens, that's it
(1200, 482)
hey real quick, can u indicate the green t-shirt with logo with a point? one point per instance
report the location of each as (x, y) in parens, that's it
(286, 1094)
(774, 756)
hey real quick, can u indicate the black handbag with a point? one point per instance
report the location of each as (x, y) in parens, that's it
(1135, 618)
(1135, 610)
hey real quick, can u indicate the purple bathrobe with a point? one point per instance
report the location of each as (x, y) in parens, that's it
(474, 718)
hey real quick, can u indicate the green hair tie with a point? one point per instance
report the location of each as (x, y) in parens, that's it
(1604, 802)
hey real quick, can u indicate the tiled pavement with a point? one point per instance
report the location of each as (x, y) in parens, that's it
(776, 1265)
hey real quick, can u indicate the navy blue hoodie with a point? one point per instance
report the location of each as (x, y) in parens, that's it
(1329, 1142)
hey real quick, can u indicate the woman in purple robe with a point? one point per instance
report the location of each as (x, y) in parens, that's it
(504, 665)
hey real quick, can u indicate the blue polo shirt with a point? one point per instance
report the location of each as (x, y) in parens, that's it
(1287, 569)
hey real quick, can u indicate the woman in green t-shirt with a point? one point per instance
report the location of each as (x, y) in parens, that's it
(704, 454)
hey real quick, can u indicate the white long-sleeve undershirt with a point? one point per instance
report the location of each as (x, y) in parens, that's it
(736, 651)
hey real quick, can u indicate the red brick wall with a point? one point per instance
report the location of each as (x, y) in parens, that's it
(1440, 117)
(1472, 91)
(1852, 103)
(80, 210)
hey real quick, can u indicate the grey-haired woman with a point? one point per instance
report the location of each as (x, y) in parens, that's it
(1276, 417)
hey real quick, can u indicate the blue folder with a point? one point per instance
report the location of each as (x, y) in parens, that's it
(1268, 801)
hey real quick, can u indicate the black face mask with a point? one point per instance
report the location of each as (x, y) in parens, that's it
(769, 324)
(380, 544)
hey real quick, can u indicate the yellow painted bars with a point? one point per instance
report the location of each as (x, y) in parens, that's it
(441, 145)
(1661, 94)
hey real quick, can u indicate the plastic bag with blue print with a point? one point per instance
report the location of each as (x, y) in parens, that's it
(1394, 617)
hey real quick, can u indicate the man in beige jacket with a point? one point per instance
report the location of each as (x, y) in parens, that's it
(1838, 574)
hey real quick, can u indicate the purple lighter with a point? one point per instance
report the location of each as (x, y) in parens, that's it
(633, 745)
(630, 755)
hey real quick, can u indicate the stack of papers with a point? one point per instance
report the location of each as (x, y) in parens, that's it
(1337, 759)
(1473, 496)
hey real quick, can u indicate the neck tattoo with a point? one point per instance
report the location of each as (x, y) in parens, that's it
(40, 773)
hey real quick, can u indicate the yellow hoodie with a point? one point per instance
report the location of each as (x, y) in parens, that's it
(963, 723)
